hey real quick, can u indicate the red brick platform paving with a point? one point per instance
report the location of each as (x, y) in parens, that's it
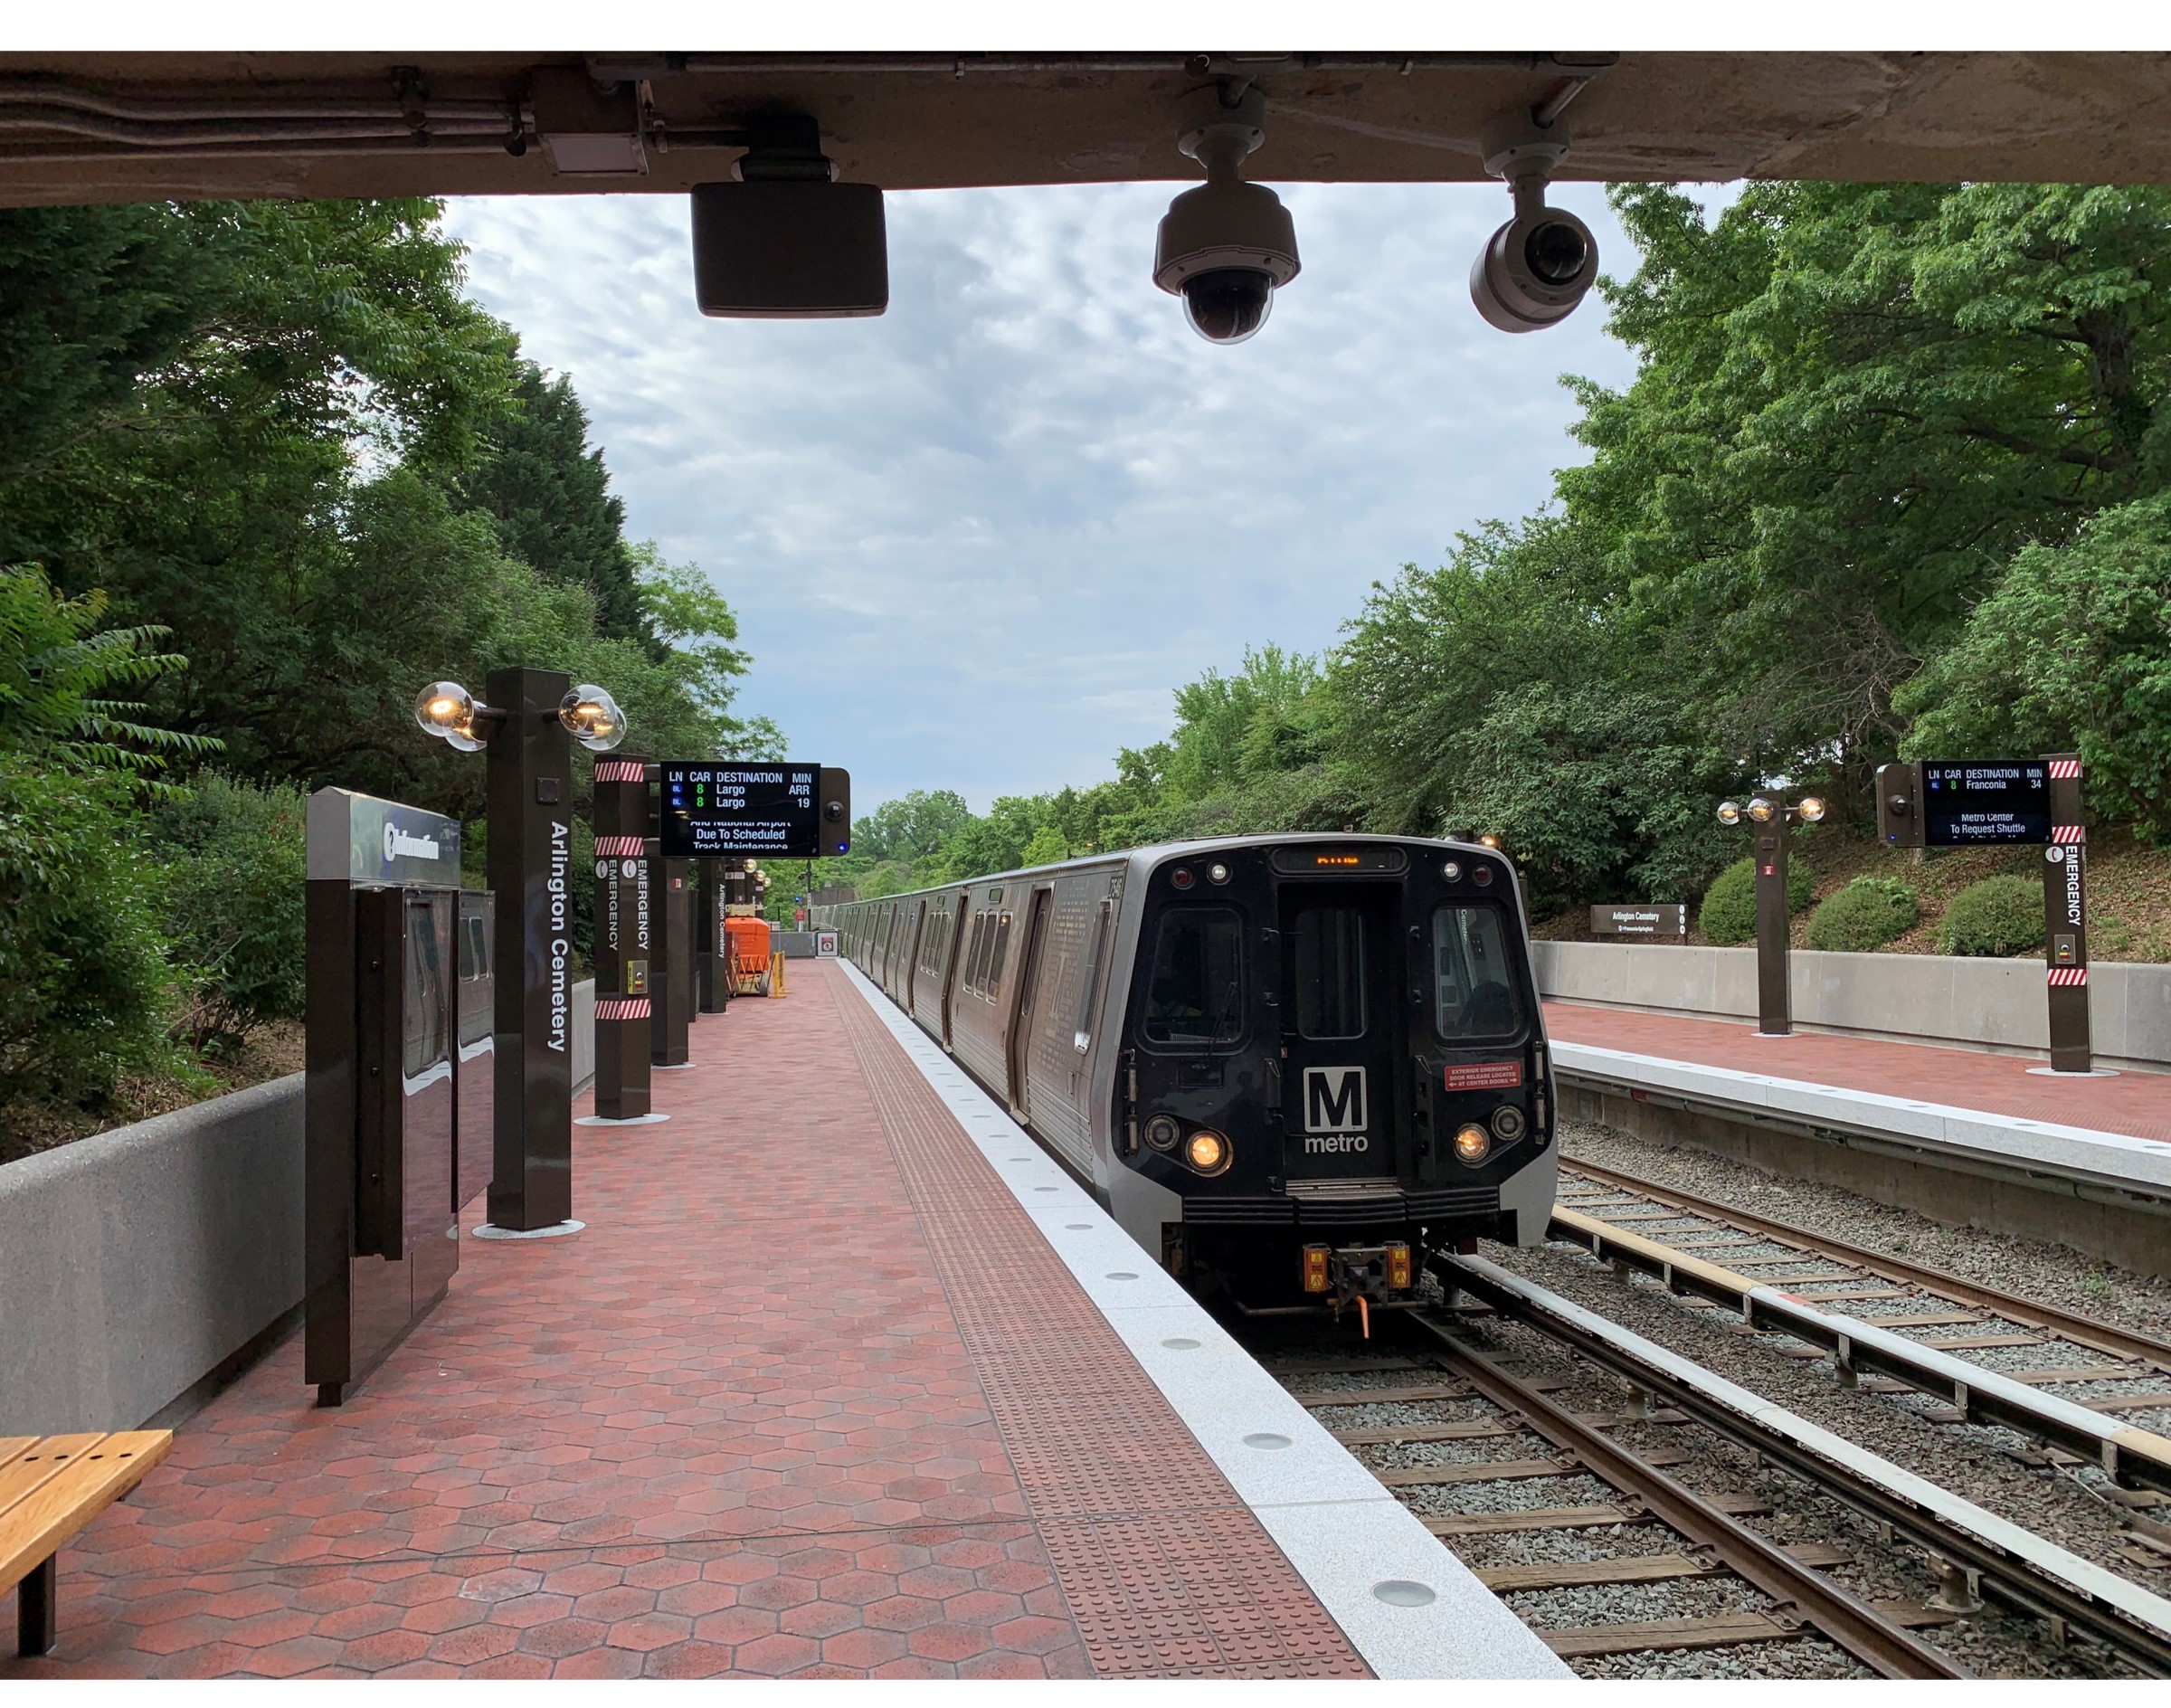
(771, 1414)
(2137, 1105)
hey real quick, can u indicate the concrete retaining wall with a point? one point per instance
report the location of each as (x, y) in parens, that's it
(1959, 1000)
(139, 1264)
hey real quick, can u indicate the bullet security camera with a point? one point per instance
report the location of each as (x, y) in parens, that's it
(1534, 269)
(1226, 246)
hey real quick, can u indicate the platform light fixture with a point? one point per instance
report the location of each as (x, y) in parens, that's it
(451, 713)
(1766, 816)
(594, 718)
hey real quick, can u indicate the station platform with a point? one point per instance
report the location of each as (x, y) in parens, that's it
(2107, 1138)
(843, 1377)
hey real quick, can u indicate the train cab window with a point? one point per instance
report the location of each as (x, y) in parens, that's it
(1330, 973)
(1089, 987)
(1474, 993)
(1196, 996)
(1002, 942)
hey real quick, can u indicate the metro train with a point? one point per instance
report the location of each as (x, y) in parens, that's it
(1293, 1067)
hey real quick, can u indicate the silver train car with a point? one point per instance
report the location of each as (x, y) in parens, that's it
(1293, 1067)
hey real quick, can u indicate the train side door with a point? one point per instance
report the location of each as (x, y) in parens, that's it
(1028, 985)
(954, 955)
(1340, 1028)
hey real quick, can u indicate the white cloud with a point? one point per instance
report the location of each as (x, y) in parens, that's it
(976, 543)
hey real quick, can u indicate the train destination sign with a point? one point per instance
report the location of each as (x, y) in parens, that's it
(1647, 919)
(1977, 801)
(740, 807)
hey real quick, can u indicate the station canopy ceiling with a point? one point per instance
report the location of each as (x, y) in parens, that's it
(135, 127)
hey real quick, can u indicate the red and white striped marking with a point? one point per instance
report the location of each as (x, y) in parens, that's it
(2069, 833)
(2069, 975)
(2065, 768)
(631, 771)
(622, 1007)
(619, 848)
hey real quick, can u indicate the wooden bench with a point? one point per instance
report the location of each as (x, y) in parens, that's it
(52, 1487)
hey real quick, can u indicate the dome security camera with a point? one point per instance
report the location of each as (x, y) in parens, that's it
(1534, 269)
(1226, 246)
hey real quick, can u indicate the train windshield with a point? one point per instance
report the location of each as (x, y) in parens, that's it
(1330, 973)
(1197, 993)
(1473, 981)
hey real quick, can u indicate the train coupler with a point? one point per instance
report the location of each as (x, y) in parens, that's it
(1364, 1276)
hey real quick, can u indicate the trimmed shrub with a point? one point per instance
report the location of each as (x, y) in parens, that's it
(1868, 914)
(1729, 913)
(1998, 917)
(236, 867)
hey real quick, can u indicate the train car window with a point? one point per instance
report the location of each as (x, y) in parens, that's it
(976, 953)
(1002, 942)
(1081, 1034)
(1197, 992)
(1330, 973)
(1474, 993)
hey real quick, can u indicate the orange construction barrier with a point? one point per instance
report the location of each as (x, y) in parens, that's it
(749, 954)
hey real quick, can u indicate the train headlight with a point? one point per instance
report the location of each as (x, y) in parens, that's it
(1162, 1133)
(1450, 871)
(1473, 1143)
(1508, 1123)
(1217, 873)
(1207, 1151)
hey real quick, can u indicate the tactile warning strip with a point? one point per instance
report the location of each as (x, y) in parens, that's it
(1165, 1569)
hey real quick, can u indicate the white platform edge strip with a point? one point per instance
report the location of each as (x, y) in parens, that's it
(1342, 1531)
(2136, 1603)
(2098, 1154)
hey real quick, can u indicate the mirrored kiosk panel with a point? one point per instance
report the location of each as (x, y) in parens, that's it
(399, 1076)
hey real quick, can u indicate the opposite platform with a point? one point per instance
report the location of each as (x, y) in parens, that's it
(810, 1395)
(2109, 1135)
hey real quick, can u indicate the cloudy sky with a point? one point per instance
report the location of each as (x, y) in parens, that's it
(975, 544)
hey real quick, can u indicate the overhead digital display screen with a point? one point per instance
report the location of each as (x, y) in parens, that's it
(740, 807)
(1986, 801)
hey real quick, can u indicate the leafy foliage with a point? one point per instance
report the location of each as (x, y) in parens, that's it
(1998, 917)
(2070, 652)
(1866, 914)
(236, 869)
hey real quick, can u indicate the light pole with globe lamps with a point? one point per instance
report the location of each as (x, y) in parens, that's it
(1767, 817)
(525, 730)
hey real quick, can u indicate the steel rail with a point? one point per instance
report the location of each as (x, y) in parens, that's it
(2085, 1330)
(1992, 1566)
(1892, 1650)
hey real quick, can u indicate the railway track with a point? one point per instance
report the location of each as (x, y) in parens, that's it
(1445, 1390)
(2075, 1387)
(2150, 1355)
(1708, 1539)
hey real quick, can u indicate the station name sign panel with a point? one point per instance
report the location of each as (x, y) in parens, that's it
(734, 807)
(1649, 919)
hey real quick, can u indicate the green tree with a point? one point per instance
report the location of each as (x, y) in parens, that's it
(2070, 651)
(550, 496)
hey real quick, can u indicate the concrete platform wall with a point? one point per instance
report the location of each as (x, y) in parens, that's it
(142, 1267)
(1960, 1001)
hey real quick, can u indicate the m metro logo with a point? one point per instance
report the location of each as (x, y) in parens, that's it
(1334, 1100)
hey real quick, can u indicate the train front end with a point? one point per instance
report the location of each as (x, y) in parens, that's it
(1335, 1065)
